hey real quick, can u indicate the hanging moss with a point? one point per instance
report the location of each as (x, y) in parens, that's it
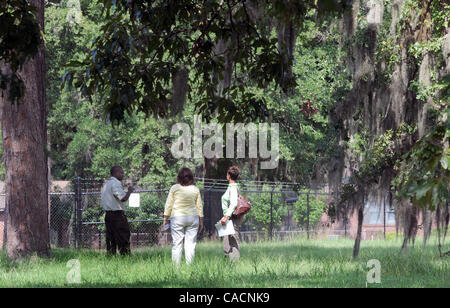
(396, 67)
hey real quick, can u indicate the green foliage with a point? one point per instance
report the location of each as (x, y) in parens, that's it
(410, 7)
(424, 171)
(440, 11)
(259, 217)
(317, 207)
(387, 50)
(20, 37)
(135, 57)
(151, 207)
(371, 156)
(376, 156)
(434, 22)
(370, 160)
(307, 141)
(141, 146)
(20, 34)
(83, 143)
(419, 49)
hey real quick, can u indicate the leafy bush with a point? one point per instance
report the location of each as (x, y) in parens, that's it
(317, 207)
(259, 216)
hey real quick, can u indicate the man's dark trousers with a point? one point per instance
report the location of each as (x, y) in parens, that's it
(117, 232)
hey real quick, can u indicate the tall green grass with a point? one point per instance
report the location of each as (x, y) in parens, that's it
(297, 263)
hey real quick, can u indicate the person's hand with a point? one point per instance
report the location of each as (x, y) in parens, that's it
(200, 225)
(166, 220)
(224, 220)
(130, 189)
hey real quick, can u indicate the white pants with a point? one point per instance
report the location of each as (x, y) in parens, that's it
(184, 227)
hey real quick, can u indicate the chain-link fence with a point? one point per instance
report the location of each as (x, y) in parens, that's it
(145, 221)
(279, 211)
(62, 219)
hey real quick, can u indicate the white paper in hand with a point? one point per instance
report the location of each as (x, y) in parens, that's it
(228, 229)
(134, 200)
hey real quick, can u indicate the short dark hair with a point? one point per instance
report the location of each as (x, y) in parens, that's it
(114, 169)
(185, 177)
(233, 171)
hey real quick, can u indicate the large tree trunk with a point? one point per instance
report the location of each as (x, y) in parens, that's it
(24, 131)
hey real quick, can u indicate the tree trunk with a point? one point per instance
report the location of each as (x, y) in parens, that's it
(24, 131)
(410, 226)
(427, 222)
(359, 231)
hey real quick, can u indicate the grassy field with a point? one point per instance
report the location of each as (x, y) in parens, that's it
(298, 263)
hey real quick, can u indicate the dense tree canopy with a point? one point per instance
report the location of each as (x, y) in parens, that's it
(226, 46)
(19, 40)
(84, 144)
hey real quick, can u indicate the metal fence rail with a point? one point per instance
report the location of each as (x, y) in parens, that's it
(77, 219)
(275, 198)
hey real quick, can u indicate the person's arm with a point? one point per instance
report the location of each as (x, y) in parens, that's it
(199, 211)
(166, 220)
(200, 224)
(199, 204)
(119, 193)
(127, 195)
(169, 206)
(233, 205)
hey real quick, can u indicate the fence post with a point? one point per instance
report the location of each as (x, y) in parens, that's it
(74, 221)
(307, 215)
(78, 212)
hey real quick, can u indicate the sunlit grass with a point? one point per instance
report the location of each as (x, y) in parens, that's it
(298, 263)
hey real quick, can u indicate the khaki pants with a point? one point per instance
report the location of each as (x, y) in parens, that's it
(231, 245)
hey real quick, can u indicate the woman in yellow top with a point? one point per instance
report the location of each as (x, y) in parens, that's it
(185, 210)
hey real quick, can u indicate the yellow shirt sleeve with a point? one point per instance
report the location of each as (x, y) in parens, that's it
(199, 204)
(169, 202)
